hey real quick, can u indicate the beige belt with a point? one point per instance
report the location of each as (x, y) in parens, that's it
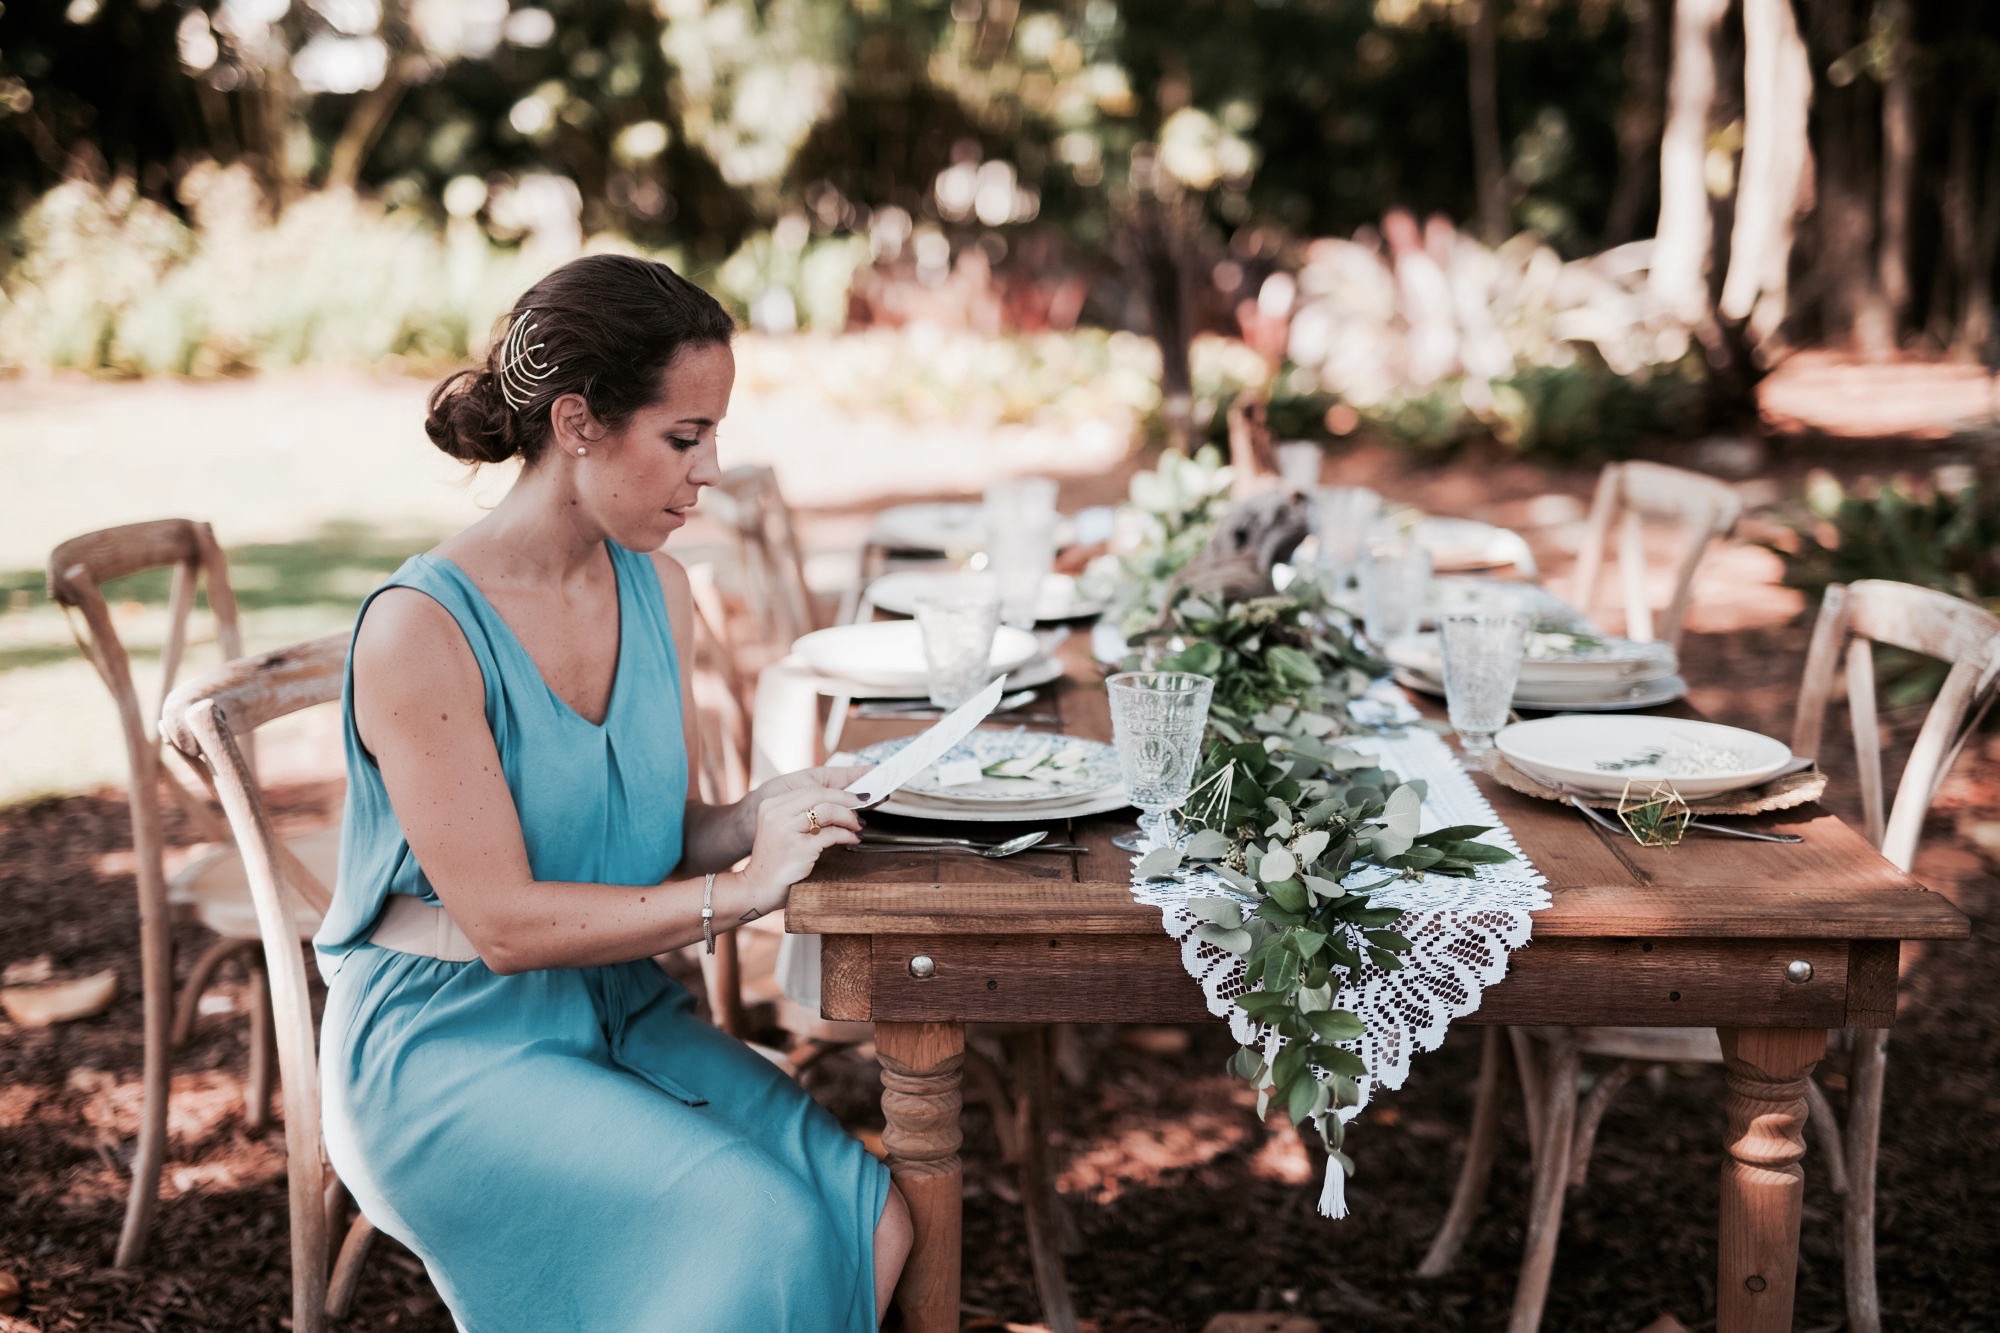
(410, 926)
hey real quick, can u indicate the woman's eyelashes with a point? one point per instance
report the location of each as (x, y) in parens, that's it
(684, 442)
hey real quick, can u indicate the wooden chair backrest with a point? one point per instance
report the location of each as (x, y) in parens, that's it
(206, 719)
(1704, 508)
(78, 570)
(748, 501)
(1856, 616)
(722, 716)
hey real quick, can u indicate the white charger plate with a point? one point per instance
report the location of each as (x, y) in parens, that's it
(1599, 754)
(1457, 544)
(943, 526)
(1040, 671)
(889, 654)
(1610, 661)
(899, 592)
(1102, 803)
(1590, 697)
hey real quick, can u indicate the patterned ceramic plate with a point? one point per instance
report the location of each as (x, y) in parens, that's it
(1018, 768)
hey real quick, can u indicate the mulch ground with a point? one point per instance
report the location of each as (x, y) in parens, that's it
(1186, 1204)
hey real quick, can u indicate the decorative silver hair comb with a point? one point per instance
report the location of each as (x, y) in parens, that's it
(522, 369)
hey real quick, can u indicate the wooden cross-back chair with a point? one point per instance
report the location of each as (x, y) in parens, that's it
(211, 889)
(1703, 508)
(770, 560)
(209, 720)
(1562, 1126)
(722, 726)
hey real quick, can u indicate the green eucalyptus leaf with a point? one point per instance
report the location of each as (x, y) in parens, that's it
(1314, 999)
(1160, 863)
(1335, 1025)
(1324, 889)
(1388, 939)
(1236, 878)
(1310, 845)
(1300, 1097)
(1404, 811)
(1247, 1064)
(1224, 912)
(1385, 960)
(1340, 1060)
(1236, 941)
(1277, 865)
(1289, 894)
(1207, 845)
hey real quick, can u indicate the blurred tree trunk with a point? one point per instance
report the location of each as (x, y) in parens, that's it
(1639, 116)
(1971, 216)
(1685, 237)
(1899, 153)
(1483, 96)
(1160, 237)
(1771, 183)
(1851, 297)
(370, 113)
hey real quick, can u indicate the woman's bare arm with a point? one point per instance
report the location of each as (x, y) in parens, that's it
(419, 704)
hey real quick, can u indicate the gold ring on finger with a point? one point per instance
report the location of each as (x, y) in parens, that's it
(812, 820)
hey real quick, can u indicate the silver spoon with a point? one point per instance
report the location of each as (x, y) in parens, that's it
(992, 852)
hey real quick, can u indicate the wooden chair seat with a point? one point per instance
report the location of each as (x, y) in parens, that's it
(215, 889)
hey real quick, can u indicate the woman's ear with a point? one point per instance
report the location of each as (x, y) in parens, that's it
(571, 422)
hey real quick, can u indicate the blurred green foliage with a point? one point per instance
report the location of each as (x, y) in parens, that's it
(1941, 533)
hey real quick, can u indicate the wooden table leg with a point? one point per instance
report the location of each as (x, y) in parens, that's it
(1763, 1185)
(920, 1099)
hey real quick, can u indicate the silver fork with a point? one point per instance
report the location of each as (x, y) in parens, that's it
(991, 851)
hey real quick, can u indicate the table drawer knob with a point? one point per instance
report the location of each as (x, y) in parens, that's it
(921, 966)
(1798, 970)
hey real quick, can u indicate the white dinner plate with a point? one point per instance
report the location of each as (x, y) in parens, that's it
(1459, 544)
(889, 654)
(1450, 594)
(1600, 754)
(1040, 671)
(943, 526)
(1071, 769)
(916, 805)
(899, 592)
(1591, 697)
(1551, 663)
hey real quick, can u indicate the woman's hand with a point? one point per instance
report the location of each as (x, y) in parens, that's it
(831, 776)
(794, 825)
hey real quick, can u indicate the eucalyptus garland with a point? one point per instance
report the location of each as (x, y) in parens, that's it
(1307, 830)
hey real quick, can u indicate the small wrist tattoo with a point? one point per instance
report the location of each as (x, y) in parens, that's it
(750, 915)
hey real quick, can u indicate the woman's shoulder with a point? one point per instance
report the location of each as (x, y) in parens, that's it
(407, 630)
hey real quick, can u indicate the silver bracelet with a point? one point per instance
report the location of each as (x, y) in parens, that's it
(708, 912)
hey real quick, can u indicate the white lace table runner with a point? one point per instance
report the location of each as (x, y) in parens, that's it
(1461, 931)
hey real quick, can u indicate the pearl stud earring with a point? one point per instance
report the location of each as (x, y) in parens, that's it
(581, 451)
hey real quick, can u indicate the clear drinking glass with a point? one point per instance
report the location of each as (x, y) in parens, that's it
(1482, 661)
(1298, 463)
(958, 631)
(1341, 516)
(1395, 573)
(1020, 543)
(1157, 720)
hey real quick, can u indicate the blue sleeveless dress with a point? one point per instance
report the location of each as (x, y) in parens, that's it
(575, 1149)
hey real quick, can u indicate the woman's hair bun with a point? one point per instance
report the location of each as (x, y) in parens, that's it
(470, 420)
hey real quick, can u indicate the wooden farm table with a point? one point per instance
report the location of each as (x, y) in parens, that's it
(1711, 933)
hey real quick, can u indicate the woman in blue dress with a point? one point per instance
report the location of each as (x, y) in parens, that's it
(512, 1087)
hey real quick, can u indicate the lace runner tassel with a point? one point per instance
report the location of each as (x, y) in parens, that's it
(1333, 1194)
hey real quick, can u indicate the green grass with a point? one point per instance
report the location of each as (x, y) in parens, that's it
(318, 485)
(57, 724)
